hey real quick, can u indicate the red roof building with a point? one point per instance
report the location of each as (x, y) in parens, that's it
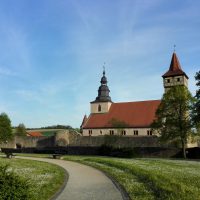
(127, 118)
(132, 114)
(34, 134)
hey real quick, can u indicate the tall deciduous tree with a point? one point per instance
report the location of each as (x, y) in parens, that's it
(20, 130)
(196, 109)
(5, 128)
(173, 116)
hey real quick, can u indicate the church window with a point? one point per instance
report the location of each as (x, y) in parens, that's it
(135, 132)
(149, 132)
(90, 132)
(99, 108)
(123, 132)
(111, 132)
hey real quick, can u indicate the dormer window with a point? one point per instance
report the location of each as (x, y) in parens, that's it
(99, 108)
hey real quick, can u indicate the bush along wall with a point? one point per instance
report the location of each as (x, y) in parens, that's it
(12, 186)
(161, 152)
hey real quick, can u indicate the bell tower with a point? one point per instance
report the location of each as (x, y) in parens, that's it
(103, 101)
(175, 75)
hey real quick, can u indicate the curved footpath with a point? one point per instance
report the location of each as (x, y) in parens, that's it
(84, 183)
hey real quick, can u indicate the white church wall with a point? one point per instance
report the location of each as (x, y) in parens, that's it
(114, 131)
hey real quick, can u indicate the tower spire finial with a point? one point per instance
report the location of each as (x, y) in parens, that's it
(104, 68)
(174, 48)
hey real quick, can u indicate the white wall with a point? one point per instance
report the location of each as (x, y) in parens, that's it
(129, 131)
(174, 81)
(105, 106)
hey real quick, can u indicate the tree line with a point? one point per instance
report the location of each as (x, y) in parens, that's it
(7, 132)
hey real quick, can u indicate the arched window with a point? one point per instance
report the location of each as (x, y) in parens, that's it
(99, 108)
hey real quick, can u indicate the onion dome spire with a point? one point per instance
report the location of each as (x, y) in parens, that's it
(103, 91)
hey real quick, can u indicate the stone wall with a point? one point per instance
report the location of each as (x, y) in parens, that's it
(24, 141)
(71, 138)
(117, 141)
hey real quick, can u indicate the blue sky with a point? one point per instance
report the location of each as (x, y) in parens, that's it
(52, 53)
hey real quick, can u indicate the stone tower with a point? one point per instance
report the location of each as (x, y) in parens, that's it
(175, 75)
(103, 101)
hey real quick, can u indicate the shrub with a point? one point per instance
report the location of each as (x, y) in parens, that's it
(106, 150)
(12, 186)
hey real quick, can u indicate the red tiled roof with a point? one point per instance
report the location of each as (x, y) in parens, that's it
(175, 68)
(35, 134)
(133, 114)
(84, 121)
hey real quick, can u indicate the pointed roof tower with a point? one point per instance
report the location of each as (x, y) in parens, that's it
(175, 68)
(103, 91)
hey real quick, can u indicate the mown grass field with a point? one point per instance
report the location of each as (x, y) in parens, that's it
(45, 179)
(150, 179)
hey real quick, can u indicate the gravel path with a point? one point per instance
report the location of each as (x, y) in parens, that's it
(84, 183)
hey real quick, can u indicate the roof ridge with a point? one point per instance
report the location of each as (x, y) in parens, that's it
(137, 101)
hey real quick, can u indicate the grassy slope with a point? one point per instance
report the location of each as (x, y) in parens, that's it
(151, 178)
(45, 178)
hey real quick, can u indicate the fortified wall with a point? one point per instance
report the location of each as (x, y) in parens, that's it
(70, 138)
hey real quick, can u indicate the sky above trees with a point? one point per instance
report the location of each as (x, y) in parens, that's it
(52, 53)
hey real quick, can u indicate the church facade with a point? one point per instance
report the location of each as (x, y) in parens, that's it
(128, 118)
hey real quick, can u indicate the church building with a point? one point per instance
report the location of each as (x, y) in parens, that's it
(127, 118)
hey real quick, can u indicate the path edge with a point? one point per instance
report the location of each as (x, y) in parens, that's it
(120, 187)
(60, 190)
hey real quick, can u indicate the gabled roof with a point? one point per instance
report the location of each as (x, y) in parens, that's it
(34, 134)
(132, 114)
(175, 68)
(84, 121)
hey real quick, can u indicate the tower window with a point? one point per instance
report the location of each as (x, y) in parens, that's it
(178, 79)
(101, 132)
(135, 132)
(168, 80)
(99, 108)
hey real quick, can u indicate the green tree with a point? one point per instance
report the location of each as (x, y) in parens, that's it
(20, 130)
(173, 117)
(196, 108)
(5, 128)
(119, 125)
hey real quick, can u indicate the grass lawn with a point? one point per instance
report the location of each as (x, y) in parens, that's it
(147, 179)
(45, 178)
